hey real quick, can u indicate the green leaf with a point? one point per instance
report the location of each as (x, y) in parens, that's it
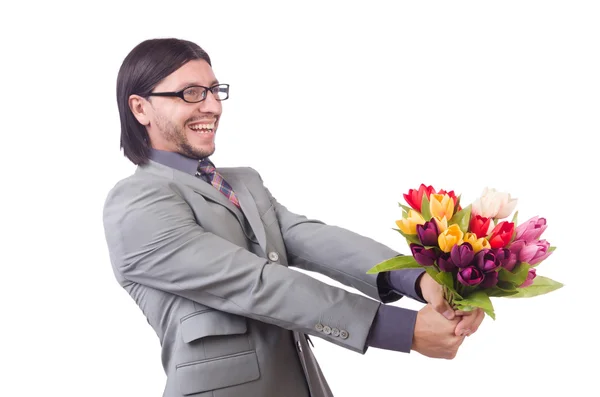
(446, 278)
(457, 203)
(432, 271)
(541, 285)
(477, 299)
(517, 276)
(551, 248)
(503, 288)
(514, 219)
(395, 263)
(411, 238)
(462, 218)
(425, 212)
(406, 208)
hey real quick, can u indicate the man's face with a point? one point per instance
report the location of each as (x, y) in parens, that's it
(178, 126)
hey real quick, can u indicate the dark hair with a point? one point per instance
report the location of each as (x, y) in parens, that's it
(143, 68)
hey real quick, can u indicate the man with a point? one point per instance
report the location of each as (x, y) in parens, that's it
(206, 253)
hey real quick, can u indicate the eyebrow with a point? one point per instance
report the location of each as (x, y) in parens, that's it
(189, 83)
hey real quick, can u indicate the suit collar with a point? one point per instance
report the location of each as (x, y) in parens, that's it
(175, 160)
(183, 169)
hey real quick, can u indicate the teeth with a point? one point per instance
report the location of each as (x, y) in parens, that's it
(202, 126)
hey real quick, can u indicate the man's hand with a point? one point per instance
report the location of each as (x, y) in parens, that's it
(433, 293)
(434, 335)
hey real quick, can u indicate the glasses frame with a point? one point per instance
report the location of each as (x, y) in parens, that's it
(179, 94)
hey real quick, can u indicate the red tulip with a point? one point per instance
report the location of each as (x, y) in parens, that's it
(502, 234)
(414, 198)
(480, 226)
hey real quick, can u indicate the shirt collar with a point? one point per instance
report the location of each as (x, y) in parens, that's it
(175, 160)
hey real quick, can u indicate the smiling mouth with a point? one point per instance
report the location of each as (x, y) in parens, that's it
(203, 128)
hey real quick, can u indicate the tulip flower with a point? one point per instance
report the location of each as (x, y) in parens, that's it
(452, 196)
(441, 206)
(462, 255)
(414, 198)
(409, 224)
(445, 263)
(485, 260)
(481, 226)
(534, 252)
(502, 234)
(529, 280)
(450, 237)
(428, 233)
(531, 229)
(493, 204)
(505, 258)
(423, 256)
(470, 276)
(442, 224)
(477, 243)
(489, 280)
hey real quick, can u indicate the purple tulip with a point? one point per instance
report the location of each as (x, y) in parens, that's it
(489, 280)
(485, 260)
(505, 258)
(531, 230)
(423, 256)
(462, 255)
(445, 262)
(428, 233)
(529, 280)
(470, 276)
(534, 252)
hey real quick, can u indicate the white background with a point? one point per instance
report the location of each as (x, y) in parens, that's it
(342, 107)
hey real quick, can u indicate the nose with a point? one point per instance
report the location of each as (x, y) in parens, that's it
(210, 104)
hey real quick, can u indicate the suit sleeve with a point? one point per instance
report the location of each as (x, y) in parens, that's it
(154, 240)
(343, 255)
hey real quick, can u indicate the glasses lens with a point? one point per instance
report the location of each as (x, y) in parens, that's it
(221, 91)
(194, 94)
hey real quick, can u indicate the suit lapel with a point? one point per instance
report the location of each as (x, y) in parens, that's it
(209, 192)
(248, 206)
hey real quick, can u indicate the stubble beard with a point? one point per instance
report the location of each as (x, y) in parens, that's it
(176, 136)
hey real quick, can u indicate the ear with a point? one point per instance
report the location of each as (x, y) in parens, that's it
(140, 108)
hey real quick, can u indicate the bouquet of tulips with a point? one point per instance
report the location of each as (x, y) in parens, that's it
(473, 252)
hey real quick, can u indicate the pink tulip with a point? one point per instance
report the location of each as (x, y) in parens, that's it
(529, 280)
(531, 229)
(534, 252)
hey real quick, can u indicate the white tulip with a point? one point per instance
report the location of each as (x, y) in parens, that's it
(493, 204)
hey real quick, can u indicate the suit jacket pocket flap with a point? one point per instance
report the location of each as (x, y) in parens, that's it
(200, 376)
(201, 324)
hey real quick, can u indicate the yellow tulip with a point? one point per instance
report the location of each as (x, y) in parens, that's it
(409, 224)
(441, 205)
(477, 243)
(442, 224)
(450, 237)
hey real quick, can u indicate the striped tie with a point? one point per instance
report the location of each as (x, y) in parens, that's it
(205, 167)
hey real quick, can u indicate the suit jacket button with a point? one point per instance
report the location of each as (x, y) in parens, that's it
(335, 332)
(344, 334)
(326, 330)
(274, 256)
(319, 327)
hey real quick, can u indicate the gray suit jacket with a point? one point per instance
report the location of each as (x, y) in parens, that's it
(215, 284)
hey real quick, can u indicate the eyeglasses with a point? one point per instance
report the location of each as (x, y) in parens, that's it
(198, 93)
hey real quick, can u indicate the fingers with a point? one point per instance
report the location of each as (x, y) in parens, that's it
(469, 322)
(443, 307)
